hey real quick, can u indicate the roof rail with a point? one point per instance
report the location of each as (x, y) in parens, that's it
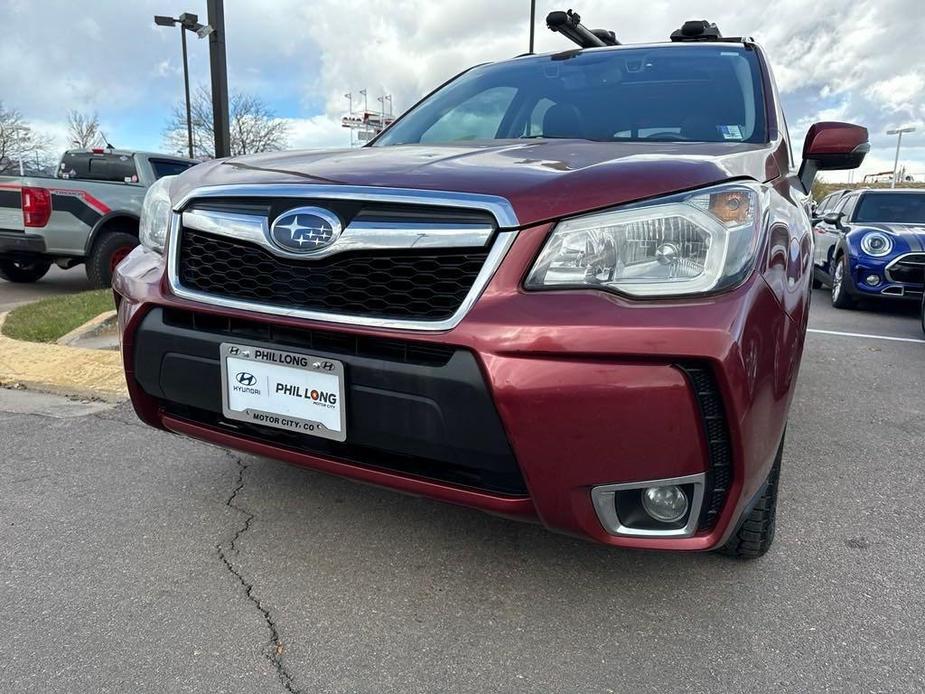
(569, 25)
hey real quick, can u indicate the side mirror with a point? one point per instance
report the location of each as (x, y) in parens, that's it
(832, 145)
(833, 218)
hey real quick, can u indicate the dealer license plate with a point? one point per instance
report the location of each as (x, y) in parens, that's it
(287, 390)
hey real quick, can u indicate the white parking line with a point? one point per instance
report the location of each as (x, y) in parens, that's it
(864, 335)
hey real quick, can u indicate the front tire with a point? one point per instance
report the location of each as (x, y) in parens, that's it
(840, 279)
(108, 251)
(923, 314)
(755, 535)
(23, 271)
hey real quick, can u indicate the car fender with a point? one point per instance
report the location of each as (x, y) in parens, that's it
(103, 221)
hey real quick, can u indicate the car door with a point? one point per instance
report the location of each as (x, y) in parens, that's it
(827, 235)
(824, 206)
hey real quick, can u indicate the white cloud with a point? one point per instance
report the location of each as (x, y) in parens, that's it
(316, 132)
(900, 93)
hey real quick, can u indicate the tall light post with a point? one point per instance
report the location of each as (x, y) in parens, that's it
(187, 22)
(218, 68)
(532, 22)
(349, 97)
(899, 141)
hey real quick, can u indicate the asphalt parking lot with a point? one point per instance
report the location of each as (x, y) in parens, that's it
(132, 560)
(57, 281)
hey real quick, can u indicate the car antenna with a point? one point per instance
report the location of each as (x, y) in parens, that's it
(569, 24)
(106, 140)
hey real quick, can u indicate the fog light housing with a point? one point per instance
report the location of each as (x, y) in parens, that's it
(622, 509)
(872, 280)
(666, 504)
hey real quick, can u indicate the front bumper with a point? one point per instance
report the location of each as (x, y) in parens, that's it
(566, 391)
(887, 286)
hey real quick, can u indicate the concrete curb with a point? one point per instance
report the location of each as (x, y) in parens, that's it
(91, 327)
(57, 369)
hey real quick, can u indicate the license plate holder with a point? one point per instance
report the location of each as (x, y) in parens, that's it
(286, 390)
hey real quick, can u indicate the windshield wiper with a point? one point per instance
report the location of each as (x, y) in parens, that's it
(553, 137)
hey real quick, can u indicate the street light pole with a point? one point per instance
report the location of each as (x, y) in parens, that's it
(187, 22)
(532, 22)
(189, 117)
(899, 142)
(219, 69)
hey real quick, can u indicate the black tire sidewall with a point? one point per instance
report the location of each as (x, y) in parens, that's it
(99, 270)
(35, 270)
(844, 300)
(923, 314)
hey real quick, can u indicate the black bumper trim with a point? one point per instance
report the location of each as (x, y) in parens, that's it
(14, 242)
(434, 421)
(719, 445)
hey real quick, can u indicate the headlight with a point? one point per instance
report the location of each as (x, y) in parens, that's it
(876, 244)
(155, 216)
(683, 244)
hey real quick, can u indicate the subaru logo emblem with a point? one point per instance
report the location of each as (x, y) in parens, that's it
(304, 230)
(246, 379)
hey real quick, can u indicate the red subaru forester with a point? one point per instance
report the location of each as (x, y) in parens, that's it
(571, 288)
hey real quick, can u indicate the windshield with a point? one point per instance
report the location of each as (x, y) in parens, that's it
(662, 94)
(903, 208)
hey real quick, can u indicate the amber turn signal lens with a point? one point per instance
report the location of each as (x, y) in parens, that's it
(731, 207)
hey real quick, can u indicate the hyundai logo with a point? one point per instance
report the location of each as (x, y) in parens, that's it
(246, 379)
(305, 230)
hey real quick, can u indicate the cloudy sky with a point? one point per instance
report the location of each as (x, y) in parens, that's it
(859, 61)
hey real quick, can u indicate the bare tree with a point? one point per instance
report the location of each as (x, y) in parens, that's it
(84, 130)
(20, 146)
(254, 126)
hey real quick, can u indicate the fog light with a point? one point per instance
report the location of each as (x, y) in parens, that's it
(872, 280)
(666, 504)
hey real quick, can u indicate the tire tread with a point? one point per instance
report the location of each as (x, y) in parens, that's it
(753, 538)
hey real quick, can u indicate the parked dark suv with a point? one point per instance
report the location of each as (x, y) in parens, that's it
(568, 287)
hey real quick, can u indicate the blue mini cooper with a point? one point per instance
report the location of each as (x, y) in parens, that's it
(871, 245)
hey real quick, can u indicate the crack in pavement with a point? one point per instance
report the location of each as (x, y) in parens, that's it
(275, 652)
(134, 422)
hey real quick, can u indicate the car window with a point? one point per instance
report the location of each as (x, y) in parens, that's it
(169, 167)
(98, 166)
(902, 208)
(677, 93)
(848, 207)
(476, 118)
(823, 206)
(535, 124)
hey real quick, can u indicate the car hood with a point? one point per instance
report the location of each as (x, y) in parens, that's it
(542, 179)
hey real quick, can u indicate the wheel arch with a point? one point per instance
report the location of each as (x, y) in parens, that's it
(839, 248)
(120, 219)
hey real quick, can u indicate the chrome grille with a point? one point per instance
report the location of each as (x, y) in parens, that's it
(401, 261)
(908, 269)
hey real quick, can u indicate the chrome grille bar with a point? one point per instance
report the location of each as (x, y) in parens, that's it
(358, 236)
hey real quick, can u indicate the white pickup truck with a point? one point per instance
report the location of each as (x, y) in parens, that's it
(86, 214)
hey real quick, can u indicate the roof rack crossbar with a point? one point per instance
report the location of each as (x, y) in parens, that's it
(569, 25)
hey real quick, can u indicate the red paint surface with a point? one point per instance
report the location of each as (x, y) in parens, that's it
(832, 137)
(583, 382)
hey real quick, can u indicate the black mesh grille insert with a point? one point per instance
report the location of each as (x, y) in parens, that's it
(402, 351)
(716, 430)
(911, 269)
(406, 285)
